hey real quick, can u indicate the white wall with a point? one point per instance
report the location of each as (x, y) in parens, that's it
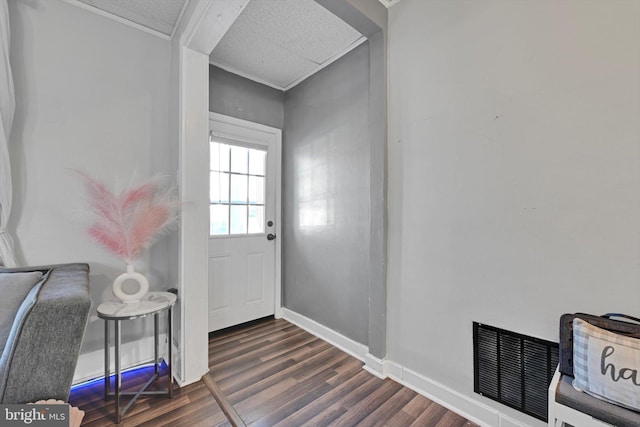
(514, 172)
(91, 94)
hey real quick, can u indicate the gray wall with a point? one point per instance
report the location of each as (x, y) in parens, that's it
(370, 19)
(326, 196)
(514, 175)
(235, 96)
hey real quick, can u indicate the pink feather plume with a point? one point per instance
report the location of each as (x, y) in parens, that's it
(128, 222)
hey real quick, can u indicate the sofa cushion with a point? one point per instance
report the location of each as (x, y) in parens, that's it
(14, 287)
(615, 415)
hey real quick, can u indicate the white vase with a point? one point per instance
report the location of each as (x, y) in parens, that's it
(131, 274)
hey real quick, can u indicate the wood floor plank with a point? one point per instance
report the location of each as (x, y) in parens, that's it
(232, 384)
(401, 419)
(252, 381)
(367, 404)
(327, 359)
(297, 400)
(430, 417)
(172, 415)
(417, 406)
(323, 418)
(330, 402)
(253, 357)
(346, 371)
(227, 338)
(253, 409)
(240, 347)
(381, 415)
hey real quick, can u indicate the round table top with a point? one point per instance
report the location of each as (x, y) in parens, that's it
(151, 303)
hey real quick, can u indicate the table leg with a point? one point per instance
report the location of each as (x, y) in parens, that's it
(170, 344)
(107, 371)
(155, 344)
(118, 378)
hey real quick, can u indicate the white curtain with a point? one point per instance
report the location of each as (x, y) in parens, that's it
(7, 109)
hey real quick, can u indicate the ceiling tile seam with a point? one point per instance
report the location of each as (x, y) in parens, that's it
(296, 54)
(117, 18)
(307, 58)
(246, 75)
(326, 63)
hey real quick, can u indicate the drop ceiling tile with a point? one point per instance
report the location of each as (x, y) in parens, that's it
(261, 59)
(159, 15)
(282, 41)
(301, 26)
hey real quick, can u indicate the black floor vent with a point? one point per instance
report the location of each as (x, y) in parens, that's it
(513, 369)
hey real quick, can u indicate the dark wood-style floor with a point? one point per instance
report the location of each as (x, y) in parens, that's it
(276, 374)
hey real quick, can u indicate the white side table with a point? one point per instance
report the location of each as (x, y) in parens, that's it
(116, 311)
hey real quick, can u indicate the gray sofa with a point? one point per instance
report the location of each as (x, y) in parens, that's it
(40, 346)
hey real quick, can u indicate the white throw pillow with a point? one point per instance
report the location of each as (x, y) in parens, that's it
(606, 365)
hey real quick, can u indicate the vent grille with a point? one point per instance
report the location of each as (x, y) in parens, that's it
(513, 369)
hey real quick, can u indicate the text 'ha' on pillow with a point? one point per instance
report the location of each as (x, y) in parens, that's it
(606, 365)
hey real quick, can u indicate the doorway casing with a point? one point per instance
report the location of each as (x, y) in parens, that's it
(204, 25)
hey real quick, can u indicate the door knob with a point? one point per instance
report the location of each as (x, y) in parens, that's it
(271, 236)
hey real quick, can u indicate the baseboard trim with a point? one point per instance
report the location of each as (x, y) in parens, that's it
(453, 400)
(349, 346)
(135, 353)
(443, 395)
(374, 366)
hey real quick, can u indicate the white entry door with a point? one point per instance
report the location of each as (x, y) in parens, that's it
(244, 274)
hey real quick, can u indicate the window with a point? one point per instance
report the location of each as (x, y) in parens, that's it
(236, 189)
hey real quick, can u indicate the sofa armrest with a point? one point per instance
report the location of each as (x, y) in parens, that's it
(44, 348)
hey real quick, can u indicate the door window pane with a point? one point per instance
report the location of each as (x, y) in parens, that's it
(256, 219)
(257, 162)
(239, 159)
(219, 156)
(218, 187)
(238, 219)
(256, 190)
(218, 220)
(238, 188)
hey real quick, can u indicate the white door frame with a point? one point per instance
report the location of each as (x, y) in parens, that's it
(205, 23)
(277, 135)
